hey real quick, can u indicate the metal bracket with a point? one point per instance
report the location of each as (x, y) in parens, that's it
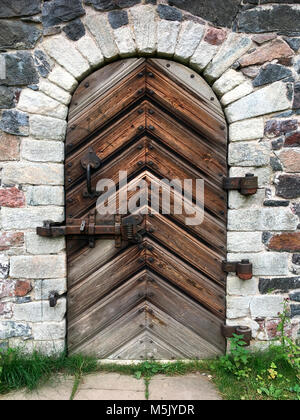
(88, 162)
(244, 332)
(247, 185)
(243, 269)
(129, 229)
(53, 298)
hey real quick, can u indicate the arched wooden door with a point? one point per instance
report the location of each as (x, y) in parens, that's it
(165, 297)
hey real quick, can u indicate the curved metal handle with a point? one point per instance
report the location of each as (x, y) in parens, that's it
(88, 162)
(89, 179)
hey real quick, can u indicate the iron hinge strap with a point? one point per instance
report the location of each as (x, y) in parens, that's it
(247, 185)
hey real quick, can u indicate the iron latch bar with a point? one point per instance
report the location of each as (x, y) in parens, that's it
(243, 269)
(247, 185)
(228, 331)
(129, 229)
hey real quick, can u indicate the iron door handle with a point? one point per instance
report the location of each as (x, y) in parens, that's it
(88, 162)
(89, 179)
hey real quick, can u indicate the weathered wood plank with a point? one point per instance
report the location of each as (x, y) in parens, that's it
(169, 166)
(190, 146)
(108, 142)
(108, 106)
(192, 82)
(186, 247)
(94, 287)
(195, 284)
(184, 105)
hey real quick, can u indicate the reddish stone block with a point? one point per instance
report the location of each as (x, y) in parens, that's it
(12, 197)
(11, 239)
(9, 147)
(215, 36)
(276, 128)
(272, 325)
(262, 38)
(276, 49)
(22, 288)
(290, 160)
(292, 140)
(286, 242)
(286, 61)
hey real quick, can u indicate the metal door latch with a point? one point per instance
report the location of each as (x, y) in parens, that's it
(129, 228)
(244, 332)
(243, 269)
(90, 162)
(247, 185)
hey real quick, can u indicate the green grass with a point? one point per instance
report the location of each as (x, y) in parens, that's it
(19, 371)
(286, 386)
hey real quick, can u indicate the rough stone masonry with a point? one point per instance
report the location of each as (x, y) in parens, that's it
(248, 51)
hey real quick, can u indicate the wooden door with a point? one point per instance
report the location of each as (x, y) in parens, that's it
(164, 298)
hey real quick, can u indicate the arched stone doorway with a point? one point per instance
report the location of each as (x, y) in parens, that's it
(163, 296)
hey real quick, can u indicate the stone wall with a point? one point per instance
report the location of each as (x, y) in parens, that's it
(253, 63)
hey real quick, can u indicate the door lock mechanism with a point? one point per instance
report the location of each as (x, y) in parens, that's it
(129, 229)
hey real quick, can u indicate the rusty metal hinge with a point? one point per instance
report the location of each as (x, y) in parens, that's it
(129, 229)
(247, 185)
(243, 269)
(244, 332)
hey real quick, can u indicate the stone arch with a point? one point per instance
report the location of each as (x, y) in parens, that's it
(215, 54)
